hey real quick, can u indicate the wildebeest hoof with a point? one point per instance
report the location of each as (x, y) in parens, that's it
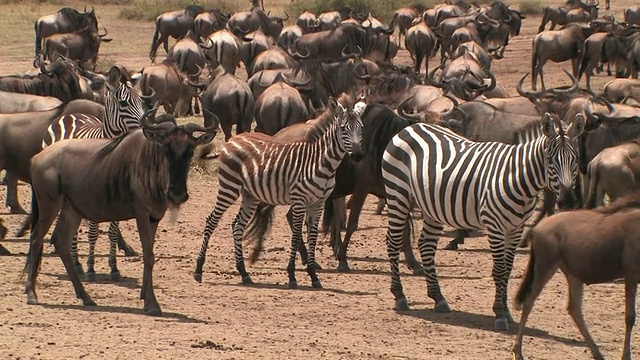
(79, 270)
(89, 302)
(32, 300)
(501, 324)
(402, 304)
(417, 270)
(17, 209)
(115, 276)
(317, 266)
(90, 276)
(452, 245)
(293, 284)
(197, 277)
(344, 268)
(442, 306)
(128, 251)
(316, 284)
(153, 310)
(247, 280)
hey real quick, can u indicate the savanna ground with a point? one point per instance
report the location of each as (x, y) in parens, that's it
(352, 318)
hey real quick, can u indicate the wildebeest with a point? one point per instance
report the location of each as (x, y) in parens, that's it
(632, 15)
(243, 22)
(81, 46)
(421, 43)
(279, 106)
(208, 22)
(57, 79)
(75, 178)
(187, 54)
(331, 19)
(557, 14)
(174, 24)
(605, 247)
(64, 21)
(12, 103)
(403, 19)
(224, 48)
(622, 91)
(307, 21)
(229, 99)
(615, 171)
(164, 84)
(598, 48)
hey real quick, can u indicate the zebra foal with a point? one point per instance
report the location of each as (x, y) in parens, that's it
(300, 174)
(472, 185)
(123, 111)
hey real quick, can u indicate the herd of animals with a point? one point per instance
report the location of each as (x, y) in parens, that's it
(331, 108)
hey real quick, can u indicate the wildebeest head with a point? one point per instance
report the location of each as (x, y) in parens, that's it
(562, 156)
(179, 143)
(64, 75)
(350, 122)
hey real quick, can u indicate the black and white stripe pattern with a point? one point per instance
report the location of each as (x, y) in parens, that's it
(472, 185)
(300, 174)
(123, 110)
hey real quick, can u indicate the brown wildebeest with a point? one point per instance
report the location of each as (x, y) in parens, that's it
(224, 48)
(81, 46)
(75, 178)
(13, 103)
(557, 14)
(57, 79)
(164, 84)
(403, 19)
(622, 91)
(174, 24)
(632, 15)
(614, 171)
(64, 21)
(208, 22)
(3, 233)
(307, 21)
(421, 43)
(605, 247)
(279, 106)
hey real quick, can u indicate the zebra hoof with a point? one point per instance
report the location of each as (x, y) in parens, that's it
(293, 284)
(442, 307)
(501, 324)
(344, 268)
(247, 280)
(115, 276)
(79, 270)
(402, 304)
(90, 276)
(316, 284)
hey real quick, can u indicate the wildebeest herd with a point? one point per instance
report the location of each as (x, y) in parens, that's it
(334, 116)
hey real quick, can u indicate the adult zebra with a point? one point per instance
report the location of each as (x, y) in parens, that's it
(123, 111)
(300, 174)
(472, 185)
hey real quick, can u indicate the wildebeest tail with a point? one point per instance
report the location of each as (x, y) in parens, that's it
(36, 27)
(154, 48)
(529, 277)
(34, 222)
(593, 185)
(257, 229)
(327, 216)
(584, 62)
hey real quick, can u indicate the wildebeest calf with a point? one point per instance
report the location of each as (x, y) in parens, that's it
(604, 247)
(135, 176)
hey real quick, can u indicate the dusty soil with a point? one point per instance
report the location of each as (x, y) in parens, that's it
(351, 318)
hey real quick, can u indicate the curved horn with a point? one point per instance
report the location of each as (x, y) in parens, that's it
(191, 127)
(447, 114)
(296, 55)
(43, 67)
(204, 44)
(361, 75)
(574, 85)
(199, 72)
(431, 80)
(529, 94)
(493, 83)
(413, 117)
(153, 93)
(287, 16)
(200, 86)
(145, 121)
(105, 32)
(92, 10)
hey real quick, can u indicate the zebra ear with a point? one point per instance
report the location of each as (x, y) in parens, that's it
(577, 126)
(548, 125)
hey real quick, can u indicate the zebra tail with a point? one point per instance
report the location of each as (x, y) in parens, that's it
(529, 277)
(257, 229)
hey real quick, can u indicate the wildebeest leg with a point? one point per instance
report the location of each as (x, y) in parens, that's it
(575, 66)
(461, 234)
(357, 201)
(576, 289)
(631, 289)
(12, 194)
(114, 232)
(147, 230)
(380, 206)
(247, 209)
(66, 228)
(313, 216)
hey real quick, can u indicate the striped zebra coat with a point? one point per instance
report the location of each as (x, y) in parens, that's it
(301, 174)
(123, 111)
(472, 185)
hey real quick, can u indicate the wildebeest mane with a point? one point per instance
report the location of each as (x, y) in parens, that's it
(325, 120)
(630, 201)
(193, 10)
(388, 89)
(111, 145)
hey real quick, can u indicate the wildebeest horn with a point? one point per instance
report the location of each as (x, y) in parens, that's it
(361, 75)
(297, 55)
(105, 32)
(574, 85)
(204, 44)
(145, 121)
(431, 80)
(414, 117)
(153, 93)
(198, 85)
(529, 94)
(43, 67)
(455, 102)
(191, 127)
(92, 10)
(493, 83)
(287, 16)
(199, 72)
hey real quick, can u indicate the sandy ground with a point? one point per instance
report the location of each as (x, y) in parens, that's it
(351, 318)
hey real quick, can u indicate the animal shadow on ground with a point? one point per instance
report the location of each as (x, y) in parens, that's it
(124, 310)
(481, 322)
(105, 279)
(300, 287)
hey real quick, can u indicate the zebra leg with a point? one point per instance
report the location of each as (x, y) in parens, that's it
(113, 234)
(399, 212)
(226, 197)
(297, 218)
(122, 244)
(427, 243)
(500, 274)
(94, 230)
(249, 205)
(511, 245)
(313, 216)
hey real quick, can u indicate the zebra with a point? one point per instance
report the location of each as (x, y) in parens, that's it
(123, 110)
(472, 185)
(300, 174)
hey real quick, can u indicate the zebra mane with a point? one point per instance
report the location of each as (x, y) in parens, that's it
(323, 122)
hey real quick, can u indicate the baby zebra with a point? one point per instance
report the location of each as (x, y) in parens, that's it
(604, 247)
(138, 175)
(300, 174)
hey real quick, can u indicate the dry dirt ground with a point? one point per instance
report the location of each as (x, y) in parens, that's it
(351, 318)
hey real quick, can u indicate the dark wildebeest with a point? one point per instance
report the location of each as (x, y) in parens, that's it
(190, 59)
(225, 49)
(81, 46)
(164, 84)
(622, 91)
(174, 24)
(228, 99)
(57, 79)
(12, 103)
(307, 21)
(279, 106)
(632, 15)
(421, 43)
(331, 19)
(403, 19)
(557, 46)
(244, 22)
(64, 21)
(598, 48)
(557, 14)
(605, 247)
(149, 166)
(615, 171)
(208, 22)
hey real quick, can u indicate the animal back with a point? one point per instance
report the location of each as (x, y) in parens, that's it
(73, 126)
